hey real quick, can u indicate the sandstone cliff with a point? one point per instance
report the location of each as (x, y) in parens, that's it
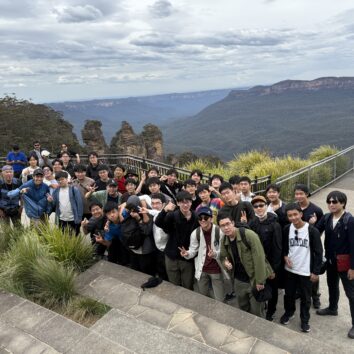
(93, 138)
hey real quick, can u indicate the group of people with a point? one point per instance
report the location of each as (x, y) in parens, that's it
(217, 238)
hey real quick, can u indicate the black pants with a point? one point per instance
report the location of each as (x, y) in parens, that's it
(160, 265)
(74, 228)
(333, 277)
(272, 303)
(304, 285)
(117, 253)
(144, 263)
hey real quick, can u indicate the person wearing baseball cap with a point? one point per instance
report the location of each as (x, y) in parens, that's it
(110, 194)
(204, 247)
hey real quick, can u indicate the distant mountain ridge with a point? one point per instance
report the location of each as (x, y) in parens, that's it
(291, 116)
(138, 111)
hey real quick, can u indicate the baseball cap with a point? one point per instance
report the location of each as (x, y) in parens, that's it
(205, 211)
(112, 182)
(7, 168)
(38, 172)
(258, 198)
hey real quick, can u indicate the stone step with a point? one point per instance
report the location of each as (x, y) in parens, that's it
(178, 310)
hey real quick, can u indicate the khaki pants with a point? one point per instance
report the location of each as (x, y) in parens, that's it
(180, 272)
(246, 300)
(217, 284)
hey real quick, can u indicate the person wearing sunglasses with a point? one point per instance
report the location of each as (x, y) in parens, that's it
(266, 226)
(338, 226)
(303, 254)
(205, 247)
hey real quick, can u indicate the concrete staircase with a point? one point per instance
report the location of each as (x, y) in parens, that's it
(170, 319)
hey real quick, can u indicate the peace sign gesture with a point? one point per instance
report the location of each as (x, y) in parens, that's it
(183, 252)
(243, 216)
(211, 253)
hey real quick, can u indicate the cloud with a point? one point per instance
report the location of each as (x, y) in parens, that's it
(78, 14)
(153, 40)
(161, 9)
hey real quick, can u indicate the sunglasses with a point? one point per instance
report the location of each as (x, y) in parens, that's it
(258, 205)
(332, 201)
(203, 217)
(296, 235)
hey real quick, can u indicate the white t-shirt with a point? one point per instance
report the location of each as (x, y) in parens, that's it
(299, 250)
(66, 211)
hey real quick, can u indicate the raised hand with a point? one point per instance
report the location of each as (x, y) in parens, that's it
(106, 226)
(211, 253)
(99, 238)
(313, 219)
(49, 197)
(227, 264)
(243, 216)
(183, 251)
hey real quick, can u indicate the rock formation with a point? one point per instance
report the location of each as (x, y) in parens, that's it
(148, 144)
(93, 137)
(153, 142)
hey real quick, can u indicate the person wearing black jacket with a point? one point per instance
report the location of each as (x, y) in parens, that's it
(276, 205)
(338, 226)
(266, 226)
(178, 224)
(303, 253)
(312, 214)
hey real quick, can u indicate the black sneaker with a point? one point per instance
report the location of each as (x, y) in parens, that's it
(269, 317)
(316, 302)
(229, 296)
(351, 333)
(305, 327)
(285, 319)
(327, 312)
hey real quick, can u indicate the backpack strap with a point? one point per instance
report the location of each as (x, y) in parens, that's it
(243, 237)
(198, 234)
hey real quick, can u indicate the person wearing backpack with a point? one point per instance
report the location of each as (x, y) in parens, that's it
(204, 247)
(338, 226)
(242, 255)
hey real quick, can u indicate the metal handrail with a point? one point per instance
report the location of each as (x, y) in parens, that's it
(318, 175)
(139, 164)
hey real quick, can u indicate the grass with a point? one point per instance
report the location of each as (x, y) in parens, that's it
(42, 265)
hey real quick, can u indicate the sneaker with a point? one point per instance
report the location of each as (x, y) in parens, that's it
(327, 312)
(351, 333)
(316, 302)
(285, 319)
(229, 296)
(269, 317)
(305, 327)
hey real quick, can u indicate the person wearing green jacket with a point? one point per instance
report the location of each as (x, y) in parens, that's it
(245, 260)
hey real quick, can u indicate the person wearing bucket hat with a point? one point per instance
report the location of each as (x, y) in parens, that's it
(204, 247)
(266, 226)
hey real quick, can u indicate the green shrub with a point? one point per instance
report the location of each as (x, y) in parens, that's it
(243, 163)
(53, 283)
(85, 310)
(322, 152)
(73, 251)
(8, 235)
(277, 167)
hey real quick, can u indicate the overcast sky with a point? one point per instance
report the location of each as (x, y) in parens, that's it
(78, 49)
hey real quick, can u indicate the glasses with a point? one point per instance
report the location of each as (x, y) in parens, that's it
(204, 217)
(296, 235)
(332, 201)
(256, 206)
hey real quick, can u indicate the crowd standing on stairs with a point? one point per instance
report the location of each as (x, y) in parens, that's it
(219, 239)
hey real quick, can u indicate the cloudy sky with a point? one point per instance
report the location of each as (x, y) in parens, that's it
(78, 49)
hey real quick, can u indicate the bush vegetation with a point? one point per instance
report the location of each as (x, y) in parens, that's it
(42, 265)
(260, 163)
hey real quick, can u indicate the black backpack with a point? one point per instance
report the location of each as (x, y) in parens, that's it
(132, 236)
